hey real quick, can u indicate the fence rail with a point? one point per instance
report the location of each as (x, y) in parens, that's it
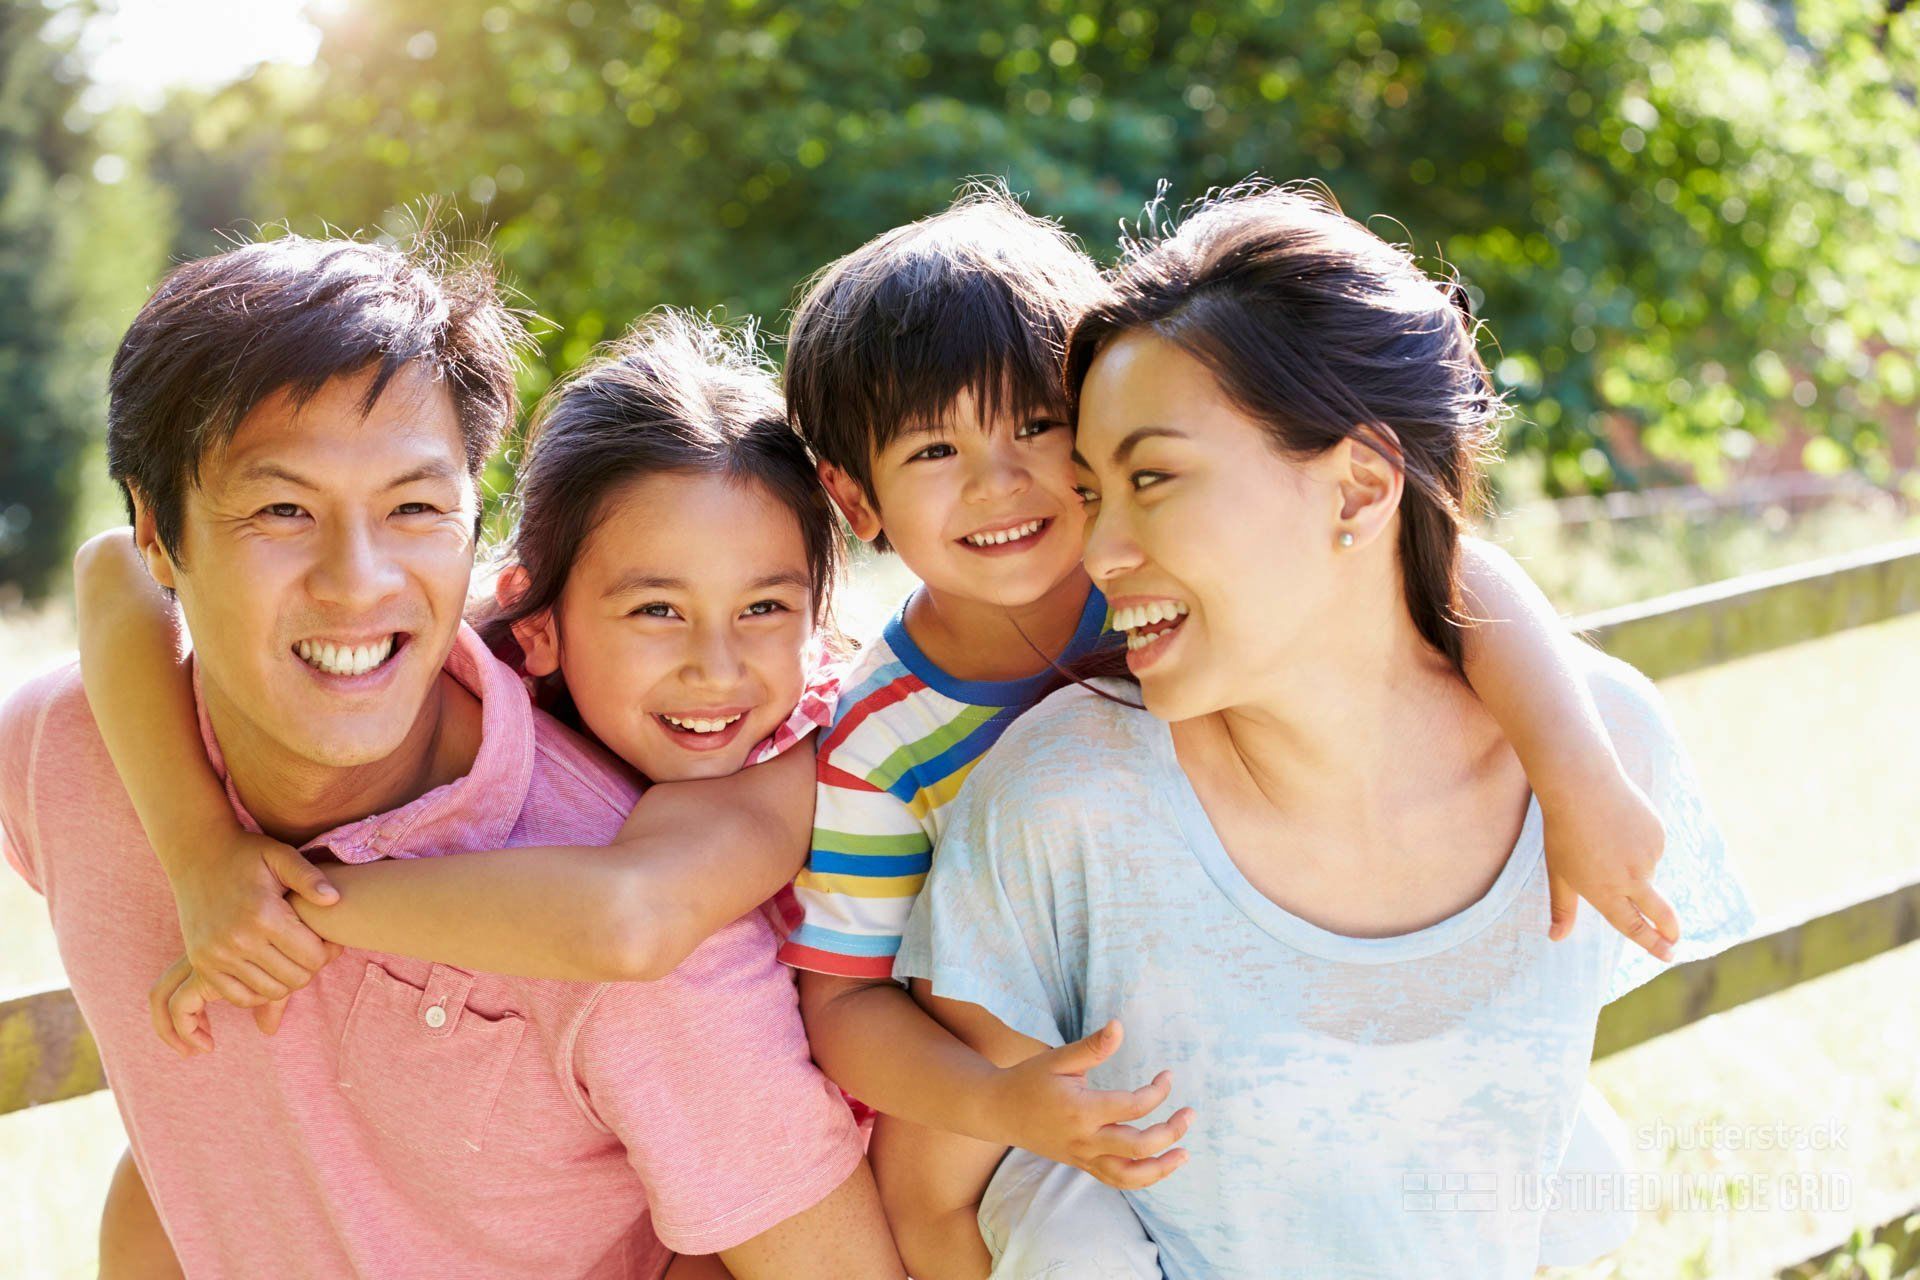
(46, 1053)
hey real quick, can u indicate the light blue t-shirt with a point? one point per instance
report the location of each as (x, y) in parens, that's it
(1365, 1106)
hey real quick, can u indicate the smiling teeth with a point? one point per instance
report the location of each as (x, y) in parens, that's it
(999, 536)
(1136, 616)
(698, 726)
(344, 659)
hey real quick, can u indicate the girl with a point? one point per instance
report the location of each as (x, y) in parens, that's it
(668, 592)
(1308, 874)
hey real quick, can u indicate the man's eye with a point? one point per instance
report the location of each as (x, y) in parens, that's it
(658, 609)
(932, 453)
(766, 608)
(1147, 479)
(281, 511)
(415, 509)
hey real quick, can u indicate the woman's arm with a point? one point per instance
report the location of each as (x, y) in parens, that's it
(1603, 837)
(692, 858)
(228, 883)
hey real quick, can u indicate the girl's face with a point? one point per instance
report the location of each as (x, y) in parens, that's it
(1214, 550)
(682, 632)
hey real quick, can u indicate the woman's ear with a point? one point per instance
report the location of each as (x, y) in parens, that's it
(1369, 481)
(538, 636)
(851, 497)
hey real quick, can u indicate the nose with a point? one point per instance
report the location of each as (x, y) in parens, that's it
(998, 472)
(1111, 548)
(714, 660)
(356, 570)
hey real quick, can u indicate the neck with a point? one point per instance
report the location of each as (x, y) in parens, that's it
(976, 640)
(295, 799)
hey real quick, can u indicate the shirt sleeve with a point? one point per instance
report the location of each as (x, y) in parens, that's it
(869, 858)
(1695, 873)
(706, 1078)
(21, 716)
(1002, 921)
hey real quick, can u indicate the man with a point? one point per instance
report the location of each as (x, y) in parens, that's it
(299, 427)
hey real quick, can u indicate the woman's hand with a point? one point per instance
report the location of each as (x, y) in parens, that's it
(1045, 1106)
(243, 939)
(1604, 846)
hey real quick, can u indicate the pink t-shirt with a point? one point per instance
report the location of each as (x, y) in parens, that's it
(412, 1118)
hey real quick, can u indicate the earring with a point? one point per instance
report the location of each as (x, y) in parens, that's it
(1346, 539)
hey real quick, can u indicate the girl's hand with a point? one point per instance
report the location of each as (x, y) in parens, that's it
(178, 1002)
(1604, 846)
(1045, 1107)
(243, 939)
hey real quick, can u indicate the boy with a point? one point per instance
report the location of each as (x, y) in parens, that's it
(923, 370)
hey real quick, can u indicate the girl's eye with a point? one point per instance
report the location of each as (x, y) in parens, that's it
(933, 453)
(1147, 479)
(765, 608)
(1039, 426)
(658, 609)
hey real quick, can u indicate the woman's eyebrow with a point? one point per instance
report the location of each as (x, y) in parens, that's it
(1129, 443)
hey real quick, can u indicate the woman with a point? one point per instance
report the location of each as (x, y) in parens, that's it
(1308, 875)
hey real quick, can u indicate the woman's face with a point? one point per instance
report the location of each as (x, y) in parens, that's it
(1215, 552)
(683, 630)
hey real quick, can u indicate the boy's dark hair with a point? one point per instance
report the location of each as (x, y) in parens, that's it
(222, 334)
(978, 298)
(676, 394)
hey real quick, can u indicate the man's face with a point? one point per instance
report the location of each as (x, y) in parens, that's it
(325, 561)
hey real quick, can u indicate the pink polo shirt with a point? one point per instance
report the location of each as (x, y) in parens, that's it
(414, 1119)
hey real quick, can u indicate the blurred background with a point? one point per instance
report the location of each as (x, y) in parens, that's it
(1693, 228)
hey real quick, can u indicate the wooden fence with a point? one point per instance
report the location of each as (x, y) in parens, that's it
(46, 1053)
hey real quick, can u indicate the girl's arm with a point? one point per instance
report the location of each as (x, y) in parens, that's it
(229, 884)
(1603, 837)
(692, 858)
(133, 1244)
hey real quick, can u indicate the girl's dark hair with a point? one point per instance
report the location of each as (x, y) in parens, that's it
(677, 394)
(1321, 331)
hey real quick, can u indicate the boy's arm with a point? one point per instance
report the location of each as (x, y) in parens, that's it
(875, 1042)
(228, 883)
(1603, 837)
(692, 858)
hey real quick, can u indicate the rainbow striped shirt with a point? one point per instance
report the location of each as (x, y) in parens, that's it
(904, 738)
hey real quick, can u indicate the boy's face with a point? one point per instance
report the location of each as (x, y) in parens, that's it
(978, 510)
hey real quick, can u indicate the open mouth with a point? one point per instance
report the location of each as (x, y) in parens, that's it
(334, 658)
(1013, 537)
(1148, 626)
(702, 732)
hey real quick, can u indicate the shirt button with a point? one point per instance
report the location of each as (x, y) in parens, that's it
(436, 1016)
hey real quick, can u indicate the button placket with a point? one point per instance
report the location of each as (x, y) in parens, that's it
(445, 996)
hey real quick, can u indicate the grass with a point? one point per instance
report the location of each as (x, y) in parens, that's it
(1808, 756)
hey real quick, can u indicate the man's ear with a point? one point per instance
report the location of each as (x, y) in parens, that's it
(537, 636)
(848, 495)
(1368, 481)
(146, 539)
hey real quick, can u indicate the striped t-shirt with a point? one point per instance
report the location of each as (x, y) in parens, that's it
(904, 738)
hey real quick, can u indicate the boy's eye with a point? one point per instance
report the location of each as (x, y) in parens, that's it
(932, 453)
(1039, 426)
(1088, 496)
(765, 608)
(656, 609)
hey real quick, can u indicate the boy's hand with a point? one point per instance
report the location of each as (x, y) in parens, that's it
(1604, 847)
(245, 943)
(1045, 1106)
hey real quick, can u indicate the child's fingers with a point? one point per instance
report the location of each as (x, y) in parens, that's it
(267, 1016)
(283, 969)
(1659, 912)
(1137, 1175)
(259, 985)
(186, 1007)
(1132, 1104)
(158, 1012)
(303, 948)
(1623, 915)
(301, 876)
(1566, 906)
(1087, 1052)
(229, 988)
(1129, 1143)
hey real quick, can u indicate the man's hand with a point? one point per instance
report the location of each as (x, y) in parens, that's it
(1045, 1106)
(243, 939)
(1604, 847)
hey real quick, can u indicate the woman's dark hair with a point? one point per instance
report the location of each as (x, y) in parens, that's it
(677, 394)
(1321, 331)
